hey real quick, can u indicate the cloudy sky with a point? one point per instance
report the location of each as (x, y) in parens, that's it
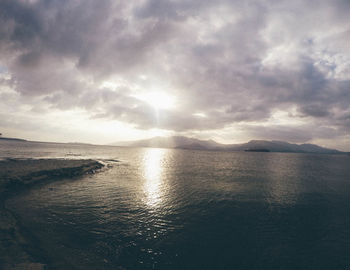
(105, 71)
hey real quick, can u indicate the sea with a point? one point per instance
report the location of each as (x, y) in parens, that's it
(152, 208)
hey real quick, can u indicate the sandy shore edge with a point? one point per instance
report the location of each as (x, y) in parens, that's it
(17, 252)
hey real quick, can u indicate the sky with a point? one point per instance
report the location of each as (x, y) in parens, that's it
(107, 71)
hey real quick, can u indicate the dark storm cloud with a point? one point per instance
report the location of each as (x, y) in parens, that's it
(234, 61)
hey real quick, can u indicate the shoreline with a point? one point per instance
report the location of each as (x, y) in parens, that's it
(17, 248)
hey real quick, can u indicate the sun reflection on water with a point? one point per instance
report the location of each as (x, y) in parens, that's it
(153, 162)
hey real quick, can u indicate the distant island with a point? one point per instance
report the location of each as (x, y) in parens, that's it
(181, 142)
(257, 150)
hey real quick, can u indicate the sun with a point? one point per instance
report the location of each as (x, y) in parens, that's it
(158, 100)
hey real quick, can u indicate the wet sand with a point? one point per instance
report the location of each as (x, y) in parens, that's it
(17, 249)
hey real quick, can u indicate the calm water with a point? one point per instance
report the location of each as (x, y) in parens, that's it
(179, 209)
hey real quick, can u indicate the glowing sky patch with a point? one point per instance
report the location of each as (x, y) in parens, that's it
(158, 100)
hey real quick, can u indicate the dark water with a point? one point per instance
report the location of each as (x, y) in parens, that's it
(178, 209)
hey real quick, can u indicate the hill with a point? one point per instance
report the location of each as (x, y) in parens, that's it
(11, 139)
(182, 142)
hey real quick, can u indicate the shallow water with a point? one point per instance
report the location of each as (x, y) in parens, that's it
(180, 209)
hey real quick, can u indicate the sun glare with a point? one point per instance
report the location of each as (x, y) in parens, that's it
(153, 171)
(158, 100)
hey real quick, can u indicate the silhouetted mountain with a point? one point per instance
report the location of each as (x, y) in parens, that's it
(181, 142)
(280, 146)
(172, 142)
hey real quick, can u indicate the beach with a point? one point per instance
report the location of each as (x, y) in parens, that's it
(17, 249)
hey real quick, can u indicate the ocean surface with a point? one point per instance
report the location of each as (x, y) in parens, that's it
(182, 209)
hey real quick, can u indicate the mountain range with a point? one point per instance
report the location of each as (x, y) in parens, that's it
(181, 142)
